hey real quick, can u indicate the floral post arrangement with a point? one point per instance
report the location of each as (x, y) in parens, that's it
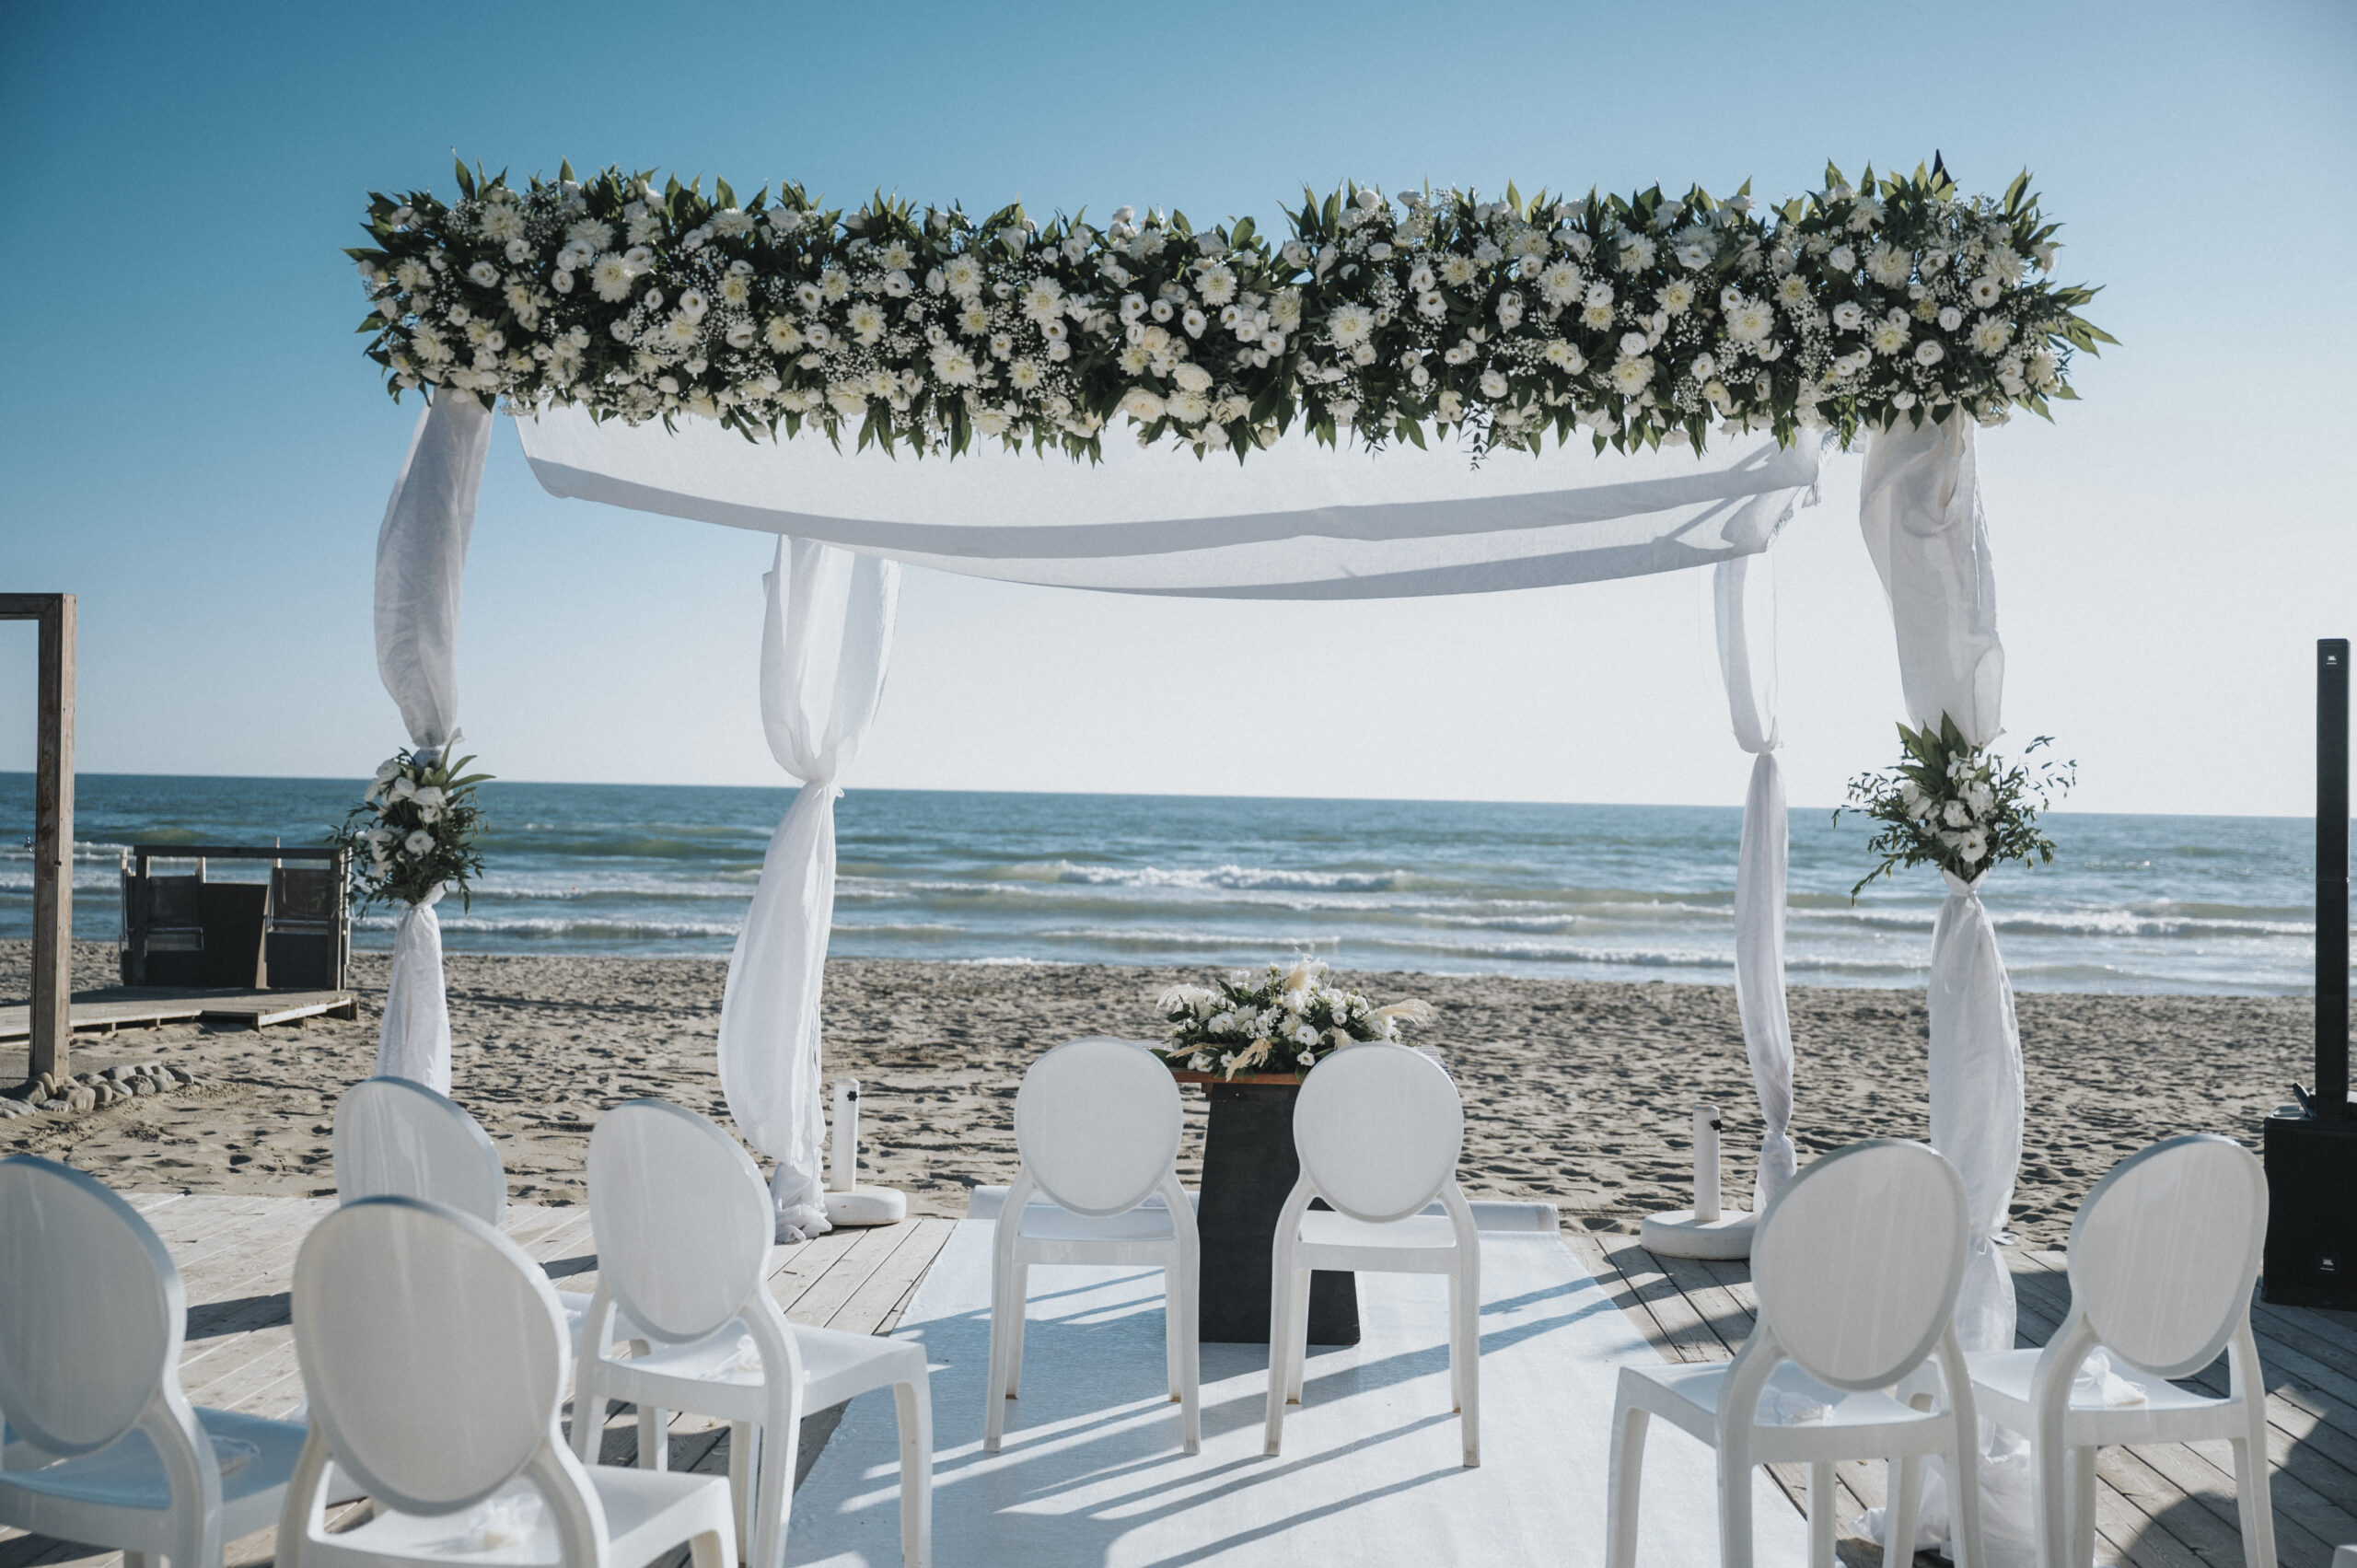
(1637, 320)
(1957, 807)
(415, 831)
(1282, 1020)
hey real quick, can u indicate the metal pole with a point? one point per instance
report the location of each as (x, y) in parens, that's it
(2332, 878)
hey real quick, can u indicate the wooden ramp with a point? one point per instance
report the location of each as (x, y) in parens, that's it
(142, 1008)
(236, 1256)
(2157, 1505)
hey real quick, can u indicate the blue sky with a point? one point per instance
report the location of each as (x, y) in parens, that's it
(191, 441)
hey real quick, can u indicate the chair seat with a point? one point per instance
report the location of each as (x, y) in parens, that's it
(646, 1513)
(1425, 1243)
(576, 1305)
(255, 1456)
(1797, 1415)
(2170, 1413)
(835, 1366)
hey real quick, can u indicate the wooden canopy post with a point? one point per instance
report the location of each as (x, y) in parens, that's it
(53, 1021)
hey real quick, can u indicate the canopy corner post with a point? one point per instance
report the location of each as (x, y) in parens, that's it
(52, 987)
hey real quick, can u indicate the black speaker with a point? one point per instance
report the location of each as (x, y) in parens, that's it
(2311, 1148)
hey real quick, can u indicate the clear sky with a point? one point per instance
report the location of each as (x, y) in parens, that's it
(191, 441)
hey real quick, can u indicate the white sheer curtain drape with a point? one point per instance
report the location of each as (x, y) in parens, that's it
(1920, 513)
(421, 559)
(1743, 592)
(826, 644)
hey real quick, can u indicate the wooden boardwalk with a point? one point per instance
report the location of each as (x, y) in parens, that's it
(141, 1007)
(2159, 1505)
(236, 1256)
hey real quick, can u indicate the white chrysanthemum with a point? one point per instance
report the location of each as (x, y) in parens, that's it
(1989, 335)
(610, 275)
(1888, 265)
(1637, 253)
(1676, 297)
(736, 289)
(1493, 386)
(1888, 336)
(676, 332)
(1631, 376)
(1189, 408)
(592, 233)
(1350, 325)
(731, 223)
(963, 275)
(866, 321)
(502, 223)
(1563, 356)
(1457, 271)
(782, 335)
(1559, 284)
(1793, 291)
(1750, 321)
(1216, 284)
(835, 284)
(1044, 299)
(954, 366)
(1026, 376)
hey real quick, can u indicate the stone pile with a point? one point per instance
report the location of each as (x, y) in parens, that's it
(86, 1092)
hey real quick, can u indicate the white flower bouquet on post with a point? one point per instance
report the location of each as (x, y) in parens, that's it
(1279, 1021)
(415, 831)
(1956, 806)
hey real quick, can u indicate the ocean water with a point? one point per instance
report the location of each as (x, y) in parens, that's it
(2136, 904)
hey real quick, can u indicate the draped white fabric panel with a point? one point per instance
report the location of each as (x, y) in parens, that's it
(1919, 509)
(1296, 520)
(1747, 661)
(421, 558)
(825, 643)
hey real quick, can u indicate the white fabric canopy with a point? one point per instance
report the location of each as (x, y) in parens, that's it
(1747, 661)
(1295, 520)
(421, 559)
(825, 643)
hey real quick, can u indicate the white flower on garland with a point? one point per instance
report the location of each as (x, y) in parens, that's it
(1955, 806)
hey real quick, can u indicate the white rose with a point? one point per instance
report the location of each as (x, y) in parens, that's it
(1929, 352)
(388, 770)
(484, 273)
(1494, 385)
(418, 843)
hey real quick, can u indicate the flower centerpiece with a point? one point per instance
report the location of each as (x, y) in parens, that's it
(1956, 806)
(415, 831)
(1279, 1021)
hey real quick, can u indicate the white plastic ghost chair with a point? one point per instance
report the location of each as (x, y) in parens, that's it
(684, 1226)
(1856, 1263)
(1378, 1129)
(91, 1316)
(1097, 1129)
(434, 1359)
(2162, 1256)
(397, 1138)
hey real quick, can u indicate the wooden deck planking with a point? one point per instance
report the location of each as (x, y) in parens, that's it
(236, 1255)
(2158, 1505)
(108, 1012)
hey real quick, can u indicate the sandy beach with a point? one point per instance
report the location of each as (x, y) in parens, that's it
(1577, 1093)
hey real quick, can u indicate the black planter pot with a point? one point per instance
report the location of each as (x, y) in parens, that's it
(1249, 1167)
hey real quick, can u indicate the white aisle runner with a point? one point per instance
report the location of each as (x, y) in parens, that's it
(1091, 1473)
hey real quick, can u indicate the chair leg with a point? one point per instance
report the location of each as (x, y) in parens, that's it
(1173, 1323)
(653, 1439)
(1464, 1359)
(1820, 1514)
(1021, 1302)
(2082, 1507)
(915, 1405)
(1297, 1340)
(2253, 1503)
(1190, 1368)
(1281, 1286)
(1734, 1511)
(703, 1551)
(744, 1444)
(777, 1452)
(1905, 1480)
(1623, 1487)
(1003, 1307)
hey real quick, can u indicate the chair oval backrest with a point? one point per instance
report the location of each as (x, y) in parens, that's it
(398, 1139)
(682, 1219)
(1378, 1128)
(1858, 1260)
(91, 1310)
(433, 1349)
(1096, 1125)
(2166, 1248)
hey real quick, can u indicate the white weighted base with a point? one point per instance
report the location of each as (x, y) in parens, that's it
(1678, 1234)
(865, 1206)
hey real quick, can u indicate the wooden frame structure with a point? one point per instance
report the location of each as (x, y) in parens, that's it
(52, 988)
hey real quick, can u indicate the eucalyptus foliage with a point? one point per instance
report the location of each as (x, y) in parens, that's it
(1956, 805)
(1641, 319)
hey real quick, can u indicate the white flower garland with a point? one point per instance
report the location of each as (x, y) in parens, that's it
(1646, 319)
